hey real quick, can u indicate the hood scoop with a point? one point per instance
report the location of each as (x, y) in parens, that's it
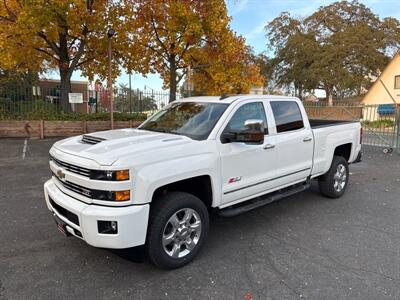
(90, 139)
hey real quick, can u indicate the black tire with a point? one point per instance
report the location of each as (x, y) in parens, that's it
(161, 211)
(327, 181)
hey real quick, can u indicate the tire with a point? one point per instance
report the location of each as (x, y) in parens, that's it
(173, 242)
(333, 184)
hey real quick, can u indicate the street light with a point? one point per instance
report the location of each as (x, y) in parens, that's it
(110, 34)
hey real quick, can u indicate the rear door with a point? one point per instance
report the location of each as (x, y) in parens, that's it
(294, 141)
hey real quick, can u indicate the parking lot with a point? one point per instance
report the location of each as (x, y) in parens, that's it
(302, 247)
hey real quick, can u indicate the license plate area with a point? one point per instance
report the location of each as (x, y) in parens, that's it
(61, 225)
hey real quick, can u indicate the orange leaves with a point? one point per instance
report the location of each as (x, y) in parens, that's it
(231, 69)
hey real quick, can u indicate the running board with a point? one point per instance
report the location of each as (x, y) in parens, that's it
(262, 200)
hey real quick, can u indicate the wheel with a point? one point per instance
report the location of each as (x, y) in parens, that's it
(178, 228)
(334, 183)
(385, 150)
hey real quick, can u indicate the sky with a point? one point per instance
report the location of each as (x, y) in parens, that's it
(249, 18)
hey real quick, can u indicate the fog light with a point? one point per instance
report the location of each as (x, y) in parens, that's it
(107, 227)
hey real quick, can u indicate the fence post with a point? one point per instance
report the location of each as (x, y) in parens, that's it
(41, 125)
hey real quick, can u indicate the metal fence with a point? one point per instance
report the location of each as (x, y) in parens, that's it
(33, 102)
(380, 122)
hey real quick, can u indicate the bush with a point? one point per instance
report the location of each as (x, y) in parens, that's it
(41, 110)
(380, 123)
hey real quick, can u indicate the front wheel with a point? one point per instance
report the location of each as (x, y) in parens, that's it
(334, 183)
(178, 227)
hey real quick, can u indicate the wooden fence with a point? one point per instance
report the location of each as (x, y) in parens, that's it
(44, 129)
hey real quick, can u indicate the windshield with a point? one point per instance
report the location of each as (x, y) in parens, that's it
(192, 119)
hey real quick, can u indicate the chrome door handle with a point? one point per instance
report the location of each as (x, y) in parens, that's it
(307, 139)
(269, 146)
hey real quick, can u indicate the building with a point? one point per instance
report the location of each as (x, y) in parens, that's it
(384, 94)
(49, 90)
(387, 82)
(256, 90)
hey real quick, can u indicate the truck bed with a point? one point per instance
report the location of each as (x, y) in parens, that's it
(318, 123)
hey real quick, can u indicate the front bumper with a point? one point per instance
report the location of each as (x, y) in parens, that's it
(132, 220)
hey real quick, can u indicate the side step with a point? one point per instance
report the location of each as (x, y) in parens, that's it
(262, 200)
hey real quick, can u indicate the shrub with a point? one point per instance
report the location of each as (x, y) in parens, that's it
(41, 110)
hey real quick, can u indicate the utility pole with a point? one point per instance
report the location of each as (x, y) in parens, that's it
(110, 34)
(188, 81)
(130, 93)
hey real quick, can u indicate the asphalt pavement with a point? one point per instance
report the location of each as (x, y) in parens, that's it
(302, 247)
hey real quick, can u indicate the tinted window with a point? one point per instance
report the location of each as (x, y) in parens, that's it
(247, 111)
(193, 119)
(287, 115)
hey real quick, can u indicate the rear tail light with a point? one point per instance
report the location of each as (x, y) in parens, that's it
(361, 135)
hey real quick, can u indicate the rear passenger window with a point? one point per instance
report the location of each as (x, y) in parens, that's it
(287, 116)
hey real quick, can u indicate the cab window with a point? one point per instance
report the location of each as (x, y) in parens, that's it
(254, 110)
(287, 116)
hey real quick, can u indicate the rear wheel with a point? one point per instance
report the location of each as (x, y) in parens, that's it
(178, 228)
(334, 183)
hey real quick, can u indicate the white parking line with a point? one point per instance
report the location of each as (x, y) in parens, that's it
(24, 149)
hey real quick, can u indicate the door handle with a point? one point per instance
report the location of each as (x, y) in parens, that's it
(269, 146)
(307, 139)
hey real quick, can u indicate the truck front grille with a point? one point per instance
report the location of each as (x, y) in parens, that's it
(75, 187)
(72, 168)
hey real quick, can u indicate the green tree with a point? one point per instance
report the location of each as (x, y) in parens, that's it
(338, 48)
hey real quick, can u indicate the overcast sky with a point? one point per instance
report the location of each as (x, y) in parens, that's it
(249, 18)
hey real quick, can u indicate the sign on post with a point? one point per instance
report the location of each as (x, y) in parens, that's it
(75, 97)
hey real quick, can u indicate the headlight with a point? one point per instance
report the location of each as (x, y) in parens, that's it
(110, 175)
(111, 196)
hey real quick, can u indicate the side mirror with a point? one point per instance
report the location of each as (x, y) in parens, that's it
(252, 134)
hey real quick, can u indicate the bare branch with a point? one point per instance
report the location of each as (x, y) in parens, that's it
(52, 45)
(47, 53)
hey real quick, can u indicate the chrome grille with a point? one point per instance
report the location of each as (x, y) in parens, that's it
(75, 187)
(89, 139)
(72, 168)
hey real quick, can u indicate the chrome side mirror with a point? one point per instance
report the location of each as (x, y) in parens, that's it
(252, 134)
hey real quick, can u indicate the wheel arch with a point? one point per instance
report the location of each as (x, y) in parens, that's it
(199, 186)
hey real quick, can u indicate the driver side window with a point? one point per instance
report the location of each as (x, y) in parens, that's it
(254, 110)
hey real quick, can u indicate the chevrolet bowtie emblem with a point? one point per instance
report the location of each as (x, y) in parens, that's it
(61, 174)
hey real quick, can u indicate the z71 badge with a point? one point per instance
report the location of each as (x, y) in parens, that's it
(234, 179)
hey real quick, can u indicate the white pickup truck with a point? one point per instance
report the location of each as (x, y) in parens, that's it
(156, 185)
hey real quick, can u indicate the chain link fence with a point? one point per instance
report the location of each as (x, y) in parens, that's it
(380, 122)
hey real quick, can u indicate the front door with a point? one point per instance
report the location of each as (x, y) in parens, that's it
(246, 168)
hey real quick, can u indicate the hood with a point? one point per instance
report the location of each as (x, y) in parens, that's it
(106, 147)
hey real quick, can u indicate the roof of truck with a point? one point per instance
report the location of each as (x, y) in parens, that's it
(230, 99)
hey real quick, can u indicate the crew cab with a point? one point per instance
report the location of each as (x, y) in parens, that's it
(157, 184)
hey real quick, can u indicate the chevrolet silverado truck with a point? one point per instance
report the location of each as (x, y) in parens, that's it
(157, 184)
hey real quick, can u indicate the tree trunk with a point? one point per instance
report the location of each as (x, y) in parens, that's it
(329, 96)
(172, 78)
(65, 88)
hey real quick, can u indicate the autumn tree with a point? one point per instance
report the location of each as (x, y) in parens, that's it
(168, 36)
(64, 35)
(229, 69)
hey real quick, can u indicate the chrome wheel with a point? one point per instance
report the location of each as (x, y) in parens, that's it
(181, 233)
(340, 178)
